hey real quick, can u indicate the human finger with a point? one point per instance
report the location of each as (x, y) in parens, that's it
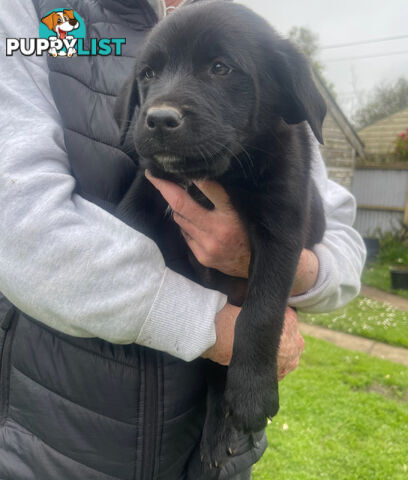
(215, 193)
(288, 369)
(178, 199)
(189, 227)
(198, 250)
(291, 345)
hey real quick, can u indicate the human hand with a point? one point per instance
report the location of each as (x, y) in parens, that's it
(216, 237)
(291, 345)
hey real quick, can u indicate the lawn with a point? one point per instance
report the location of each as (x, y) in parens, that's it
(368, 318)
(377, 275)
(343, 416)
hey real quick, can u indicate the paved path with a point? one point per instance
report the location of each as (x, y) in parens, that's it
(376, 294)
(360, 344)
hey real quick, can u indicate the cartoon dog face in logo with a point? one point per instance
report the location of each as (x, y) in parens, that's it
(61, 23)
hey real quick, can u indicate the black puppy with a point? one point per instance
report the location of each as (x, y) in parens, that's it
(217, 94)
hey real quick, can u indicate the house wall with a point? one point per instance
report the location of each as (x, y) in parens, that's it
(337, 152)
(379, 138)
(382, 199)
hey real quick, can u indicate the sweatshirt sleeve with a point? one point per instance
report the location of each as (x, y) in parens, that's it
(63, 260)
(341, 253)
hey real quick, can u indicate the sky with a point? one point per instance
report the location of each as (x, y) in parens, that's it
(346, 21)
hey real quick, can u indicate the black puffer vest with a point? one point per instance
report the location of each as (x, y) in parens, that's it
(85, 409)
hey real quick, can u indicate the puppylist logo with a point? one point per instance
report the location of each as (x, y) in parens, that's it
(62, 34)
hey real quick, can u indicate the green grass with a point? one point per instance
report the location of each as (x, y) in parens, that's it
(368, 318)
(377, 275)
(343, 416)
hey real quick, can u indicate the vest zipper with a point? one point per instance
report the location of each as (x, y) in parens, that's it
(9, 327)
(151, 414)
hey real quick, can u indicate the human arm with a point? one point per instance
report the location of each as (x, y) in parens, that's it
(65, 261)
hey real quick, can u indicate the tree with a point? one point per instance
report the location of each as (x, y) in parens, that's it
(308, 43)
(306, 40)
(386, 99)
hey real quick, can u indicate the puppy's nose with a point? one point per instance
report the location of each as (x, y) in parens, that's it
(163, 118)
(73, 22)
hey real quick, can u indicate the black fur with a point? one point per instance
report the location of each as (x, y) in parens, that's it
(236, 99)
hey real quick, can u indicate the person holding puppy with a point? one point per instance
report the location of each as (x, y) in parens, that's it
(101, 374)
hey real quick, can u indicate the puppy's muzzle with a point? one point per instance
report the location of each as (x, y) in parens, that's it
(164, 119)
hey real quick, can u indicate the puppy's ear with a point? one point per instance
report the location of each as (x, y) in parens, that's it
(49, 21)
(300, 98)
(127, 103)
(69, 13)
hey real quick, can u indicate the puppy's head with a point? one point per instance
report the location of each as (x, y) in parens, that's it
(212, 77)
(61, 22)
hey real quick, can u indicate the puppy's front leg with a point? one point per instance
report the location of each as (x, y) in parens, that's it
(252, 386)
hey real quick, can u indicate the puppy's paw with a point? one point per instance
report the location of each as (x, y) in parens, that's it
(251, 399)
(218, 443)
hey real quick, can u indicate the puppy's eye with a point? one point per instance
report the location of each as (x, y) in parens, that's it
(66, 19)
(59, 20)
(219, 68)
(148, 73)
